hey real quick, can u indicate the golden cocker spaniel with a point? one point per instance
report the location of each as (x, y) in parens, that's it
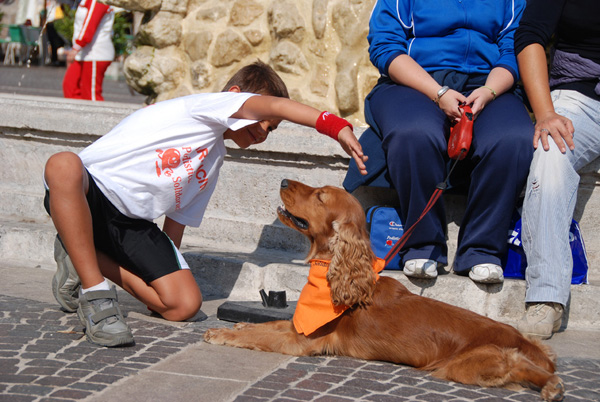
(377, 318)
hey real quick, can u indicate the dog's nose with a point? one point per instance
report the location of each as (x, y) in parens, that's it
(284, 183)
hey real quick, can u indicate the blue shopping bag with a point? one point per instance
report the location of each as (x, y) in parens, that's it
(515, 262)
(385, 229)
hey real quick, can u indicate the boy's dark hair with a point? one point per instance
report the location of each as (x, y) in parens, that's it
(258, 78)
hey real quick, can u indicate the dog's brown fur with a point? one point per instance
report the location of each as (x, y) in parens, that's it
(388, 322)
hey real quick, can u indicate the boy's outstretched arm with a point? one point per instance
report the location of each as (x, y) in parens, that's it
(276, 108)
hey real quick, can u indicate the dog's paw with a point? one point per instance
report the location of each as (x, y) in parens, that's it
(554, 390)
(212, 335)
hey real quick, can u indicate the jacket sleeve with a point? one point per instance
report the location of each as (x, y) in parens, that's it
(506, 42)
(538, 23)
(95, 13)
(389, 29)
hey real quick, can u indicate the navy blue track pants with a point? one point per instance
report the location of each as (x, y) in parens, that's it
(415, 140)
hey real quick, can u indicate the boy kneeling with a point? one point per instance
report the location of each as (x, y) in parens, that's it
(161, 160)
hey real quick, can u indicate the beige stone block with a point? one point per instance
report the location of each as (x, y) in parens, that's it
(175, 6)
(195, 4)
(200, 74)
(182, 90)
(351, 21)
(287, 57)
(254, 36)
(230, 47)
(135, 5)
(153, 71)
(196, 44)
(319, 84)
(211, 13)
(285, 21)
(346, 90)
(319, 17)
(163, 30)
(244, 12)
(320, 48)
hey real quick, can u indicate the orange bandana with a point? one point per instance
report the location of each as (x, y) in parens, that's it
(315, 308)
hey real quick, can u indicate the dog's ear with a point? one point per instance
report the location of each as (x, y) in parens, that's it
(350, 274)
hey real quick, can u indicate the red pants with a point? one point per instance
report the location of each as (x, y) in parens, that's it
(83, 80)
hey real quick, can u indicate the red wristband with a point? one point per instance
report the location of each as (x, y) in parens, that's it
(330, 125)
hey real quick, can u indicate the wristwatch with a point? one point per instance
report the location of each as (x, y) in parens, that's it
(441, 93)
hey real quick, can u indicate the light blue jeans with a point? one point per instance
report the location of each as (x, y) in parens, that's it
(550, 199)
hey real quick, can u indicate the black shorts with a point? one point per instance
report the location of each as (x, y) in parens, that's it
(137, 245)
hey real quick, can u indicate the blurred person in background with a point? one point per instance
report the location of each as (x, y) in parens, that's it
(92, 51)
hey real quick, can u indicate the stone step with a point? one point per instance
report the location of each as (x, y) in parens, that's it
(240, 275)
(226, 269)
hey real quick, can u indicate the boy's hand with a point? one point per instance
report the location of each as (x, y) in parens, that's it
(350, 144)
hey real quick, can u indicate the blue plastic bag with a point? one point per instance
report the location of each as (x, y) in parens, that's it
(515, 262)
(385, 229)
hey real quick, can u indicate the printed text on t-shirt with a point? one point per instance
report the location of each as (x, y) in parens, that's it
(173, 165)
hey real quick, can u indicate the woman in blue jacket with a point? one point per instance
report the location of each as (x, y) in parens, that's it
(434, 55)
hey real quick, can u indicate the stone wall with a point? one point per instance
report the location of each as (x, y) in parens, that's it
(319, 47)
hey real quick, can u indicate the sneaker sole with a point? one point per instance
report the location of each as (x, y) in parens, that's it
(58, 280)
(487, 280)
(422, 275)
(118, 340)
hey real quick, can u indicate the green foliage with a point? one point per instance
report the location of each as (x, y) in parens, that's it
(122, 37)
(64, 26)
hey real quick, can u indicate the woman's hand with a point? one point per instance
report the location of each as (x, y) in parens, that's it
(479, 98)
(350, 144)
(556, 126)
(449, 103)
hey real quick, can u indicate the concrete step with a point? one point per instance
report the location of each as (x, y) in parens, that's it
(237, 272)
(239, 276)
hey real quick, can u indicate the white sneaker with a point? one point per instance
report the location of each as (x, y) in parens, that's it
(541, 320)
(486, 273)
(421, 268)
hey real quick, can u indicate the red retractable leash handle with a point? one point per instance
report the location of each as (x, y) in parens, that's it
(459, 143)
(461, 135)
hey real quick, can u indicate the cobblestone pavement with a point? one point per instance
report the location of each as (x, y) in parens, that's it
(334, 379)
(44, 357)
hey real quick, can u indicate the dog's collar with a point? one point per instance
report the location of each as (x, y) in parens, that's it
(315, 308)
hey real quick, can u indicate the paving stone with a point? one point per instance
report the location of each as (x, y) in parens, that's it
(261, 392)
(70, 394)
(300, 395)
(31, 389)
(385, 398)
(314, 385)
(331, 398)
(248, 398)
(372, 385)
(55, 381)
(17, 398)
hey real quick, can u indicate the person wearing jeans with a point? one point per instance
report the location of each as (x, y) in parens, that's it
(566, 105)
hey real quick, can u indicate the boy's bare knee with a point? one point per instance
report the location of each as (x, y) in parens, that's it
(185, 308)
(63, 167)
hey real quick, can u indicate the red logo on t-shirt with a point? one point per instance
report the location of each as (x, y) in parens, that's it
(170, 159)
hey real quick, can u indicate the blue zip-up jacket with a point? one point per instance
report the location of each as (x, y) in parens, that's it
(470, 36)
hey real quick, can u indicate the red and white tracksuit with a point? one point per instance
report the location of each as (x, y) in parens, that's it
(92, 36)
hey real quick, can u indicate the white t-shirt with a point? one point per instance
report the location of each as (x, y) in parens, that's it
(164, 159)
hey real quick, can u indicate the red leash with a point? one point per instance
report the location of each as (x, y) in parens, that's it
(458, 146)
